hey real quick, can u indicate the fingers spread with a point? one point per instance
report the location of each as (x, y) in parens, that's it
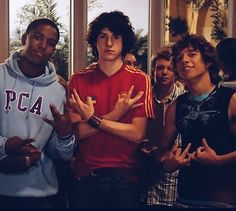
(130, 91)
(55, 113)
(204, 143)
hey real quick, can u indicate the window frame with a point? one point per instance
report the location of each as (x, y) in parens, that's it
(78, 28)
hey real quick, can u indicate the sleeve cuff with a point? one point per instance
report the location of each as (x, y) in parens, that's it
(66, 140)
(2, 148)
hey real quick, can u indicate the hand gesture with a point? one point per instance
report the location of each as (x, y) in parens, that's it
(146, 148)
(86, 110)
(15, 164)
(205, 155)
(176, 158)
(61, 122)
(15, 146)
(125, 103)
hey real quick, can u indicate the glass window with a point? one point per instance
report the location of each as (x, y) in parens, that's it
(204, 17)
(24, 11)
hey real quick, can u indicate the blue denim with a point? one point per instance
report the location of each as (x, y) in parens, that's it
(105, 191)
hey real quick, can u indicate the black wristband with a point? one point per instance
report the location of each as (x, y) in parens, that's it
(94, 121)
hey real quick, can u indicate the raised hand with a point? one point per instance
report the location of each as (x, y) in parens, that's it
(86, 110)
(15, 146)
(61, 122)
(125, 103)
(177, 158)
(205, 155)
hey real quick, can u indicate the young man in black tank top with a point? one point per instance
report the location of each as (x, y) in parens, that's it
(205, 118)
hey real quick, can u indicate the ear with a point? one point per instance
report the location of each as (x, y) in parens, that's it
(23, 39)
(208, 64)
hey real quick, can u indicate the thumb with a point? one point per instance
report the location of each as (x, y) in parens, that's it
(204, 143)
(89, 101)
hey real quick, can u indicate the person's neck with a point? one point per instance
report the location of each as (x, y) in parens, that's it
(200, 88)
(29, 69)
(200, 85)
(110, 67)
(163, 91)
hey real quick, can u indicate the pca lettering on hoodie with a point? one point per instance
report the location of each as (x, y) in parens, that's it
(22, 99)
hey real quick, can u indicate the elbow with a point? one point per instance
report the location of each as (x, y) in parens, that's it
(138, 137)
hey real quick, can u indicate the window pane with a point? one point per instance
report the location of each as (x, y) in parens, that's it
(203, 17)
(137, 11)
(24, 11)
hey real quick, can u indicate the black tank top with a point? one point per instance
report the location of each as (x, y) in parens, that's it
(207, 119)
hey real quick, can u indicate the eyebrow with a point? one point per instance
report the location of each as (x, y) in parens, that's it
(39, 33)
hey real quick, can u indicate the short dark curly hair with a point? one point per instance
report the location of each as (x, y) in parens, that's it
(206, 49)
(42, 21)
(118, 24)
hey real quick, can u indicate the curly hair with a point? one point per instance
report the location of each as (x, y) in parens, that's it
(118, 24)
(207, 51)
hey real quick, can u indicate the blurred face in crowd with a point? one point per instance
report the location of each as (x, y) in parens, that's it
(163, 72)
(130, 60)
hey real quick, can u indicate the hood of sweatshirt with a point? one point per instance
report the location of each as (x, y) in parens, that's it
(45, 79)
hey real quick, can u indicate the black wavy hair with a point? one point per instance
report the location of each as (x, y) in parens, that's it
(118, 24)
(42, 21)
(206, 49)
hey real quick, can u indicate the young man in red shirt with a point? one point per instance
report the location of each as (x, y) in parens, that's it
(106, 166)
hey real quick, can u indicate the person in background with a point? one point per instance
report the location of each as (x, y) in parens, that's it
(107, 166)
(130, 59)
(226, 53)
(205, 118)
(34, 129)
(162, 187)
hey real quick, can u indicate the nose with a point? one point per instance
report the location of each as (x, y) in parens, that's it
(185, 58)
(109, 41)
(43, 44)
(165, 70)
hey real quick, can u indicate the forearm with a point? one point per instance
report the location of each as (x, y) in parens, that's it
(83, 130)
(132, 132)
(62, 148)
(226, 158)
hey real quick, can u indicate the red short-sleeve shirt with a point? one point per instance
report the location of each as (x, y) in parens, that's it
(104, 150)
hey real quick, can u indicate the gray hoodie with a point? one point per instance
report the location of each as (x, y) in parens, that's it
(23, 103)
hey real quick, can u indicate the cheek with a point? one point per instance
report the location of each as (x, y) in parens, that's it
(50, 51)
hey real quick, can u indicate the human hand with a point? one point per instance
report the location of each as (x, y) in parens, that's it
(15, 146)
(61, 122)
(125, 103)
(15, 164)
(86, 110)
(205, 155)
(147, 149)
(176, 158)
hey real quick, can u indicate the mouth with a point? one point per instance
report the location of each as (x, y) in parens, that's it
(39, 54)
(109, 51)
(164, 79)
(187, 68)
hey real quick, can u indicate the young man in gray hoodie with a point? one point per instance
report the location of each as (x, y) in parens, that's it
(34, 125)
